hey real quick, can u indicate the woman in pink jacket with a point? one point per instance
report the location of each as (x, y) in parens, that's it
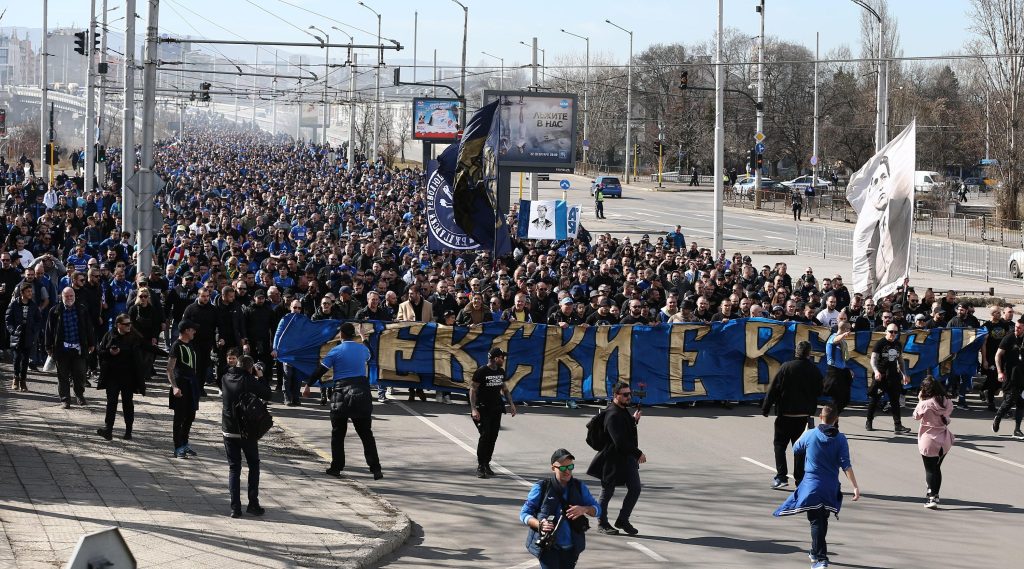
(933, 437)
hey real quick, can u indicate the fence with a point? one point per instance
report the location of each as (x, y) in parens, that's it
(953, 258)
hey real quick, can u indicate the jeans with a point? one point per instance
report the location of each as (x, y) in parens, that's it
(958, 386)
(127, 395)
(1011, 397)
(554, 558)
(291, 382)
(234, 449)
(22, 355)
(819, 527)
(933, 473)
(633, 488)
(488, 427)
(70, 373)
(787, 432)
(181, 425)
(892, 387)
(339, 427)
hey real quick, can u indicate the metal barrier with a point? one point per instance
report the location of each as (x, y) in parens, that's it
(953, 258)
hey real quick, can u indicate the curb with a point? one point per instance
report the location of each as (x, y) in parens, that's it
(392, 537)
(774, 252)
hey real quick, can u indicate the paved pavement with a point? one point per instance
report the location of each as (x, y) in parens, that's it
(59, 480)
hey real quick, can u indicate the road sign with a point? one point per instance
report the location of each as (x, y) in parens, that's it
(586, 143)
(759, 137)
(104, 548)
(564, 184)
(814, 160)
(759, 148)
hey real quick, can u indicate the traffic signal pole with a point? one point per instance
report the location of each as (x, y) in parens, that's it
(101, 171)
(760, 106)
(128, 199)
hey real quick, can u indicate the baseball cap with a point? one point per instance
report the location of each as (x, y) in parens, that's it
(496, 352)
(566, 300)
(778, 308)
(560, 455)
(346, 290)
(920, 317)
(187, 325)
(449, 313)
(606, 302)
(259, 293)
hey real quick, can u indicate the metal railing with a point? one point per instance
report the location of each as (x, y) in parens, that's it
(949, 257)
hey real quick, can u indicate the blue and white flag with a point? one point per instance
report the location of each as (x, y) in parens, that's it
(548, 219)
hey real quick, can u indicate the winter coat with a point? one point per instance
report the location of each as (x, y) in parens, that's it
(128, 367)
(934, 435)
(29, 326)
(611, 464)
(234, 382)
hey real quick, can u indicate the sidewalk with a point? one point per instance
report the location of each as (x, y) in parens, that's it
(59, 480)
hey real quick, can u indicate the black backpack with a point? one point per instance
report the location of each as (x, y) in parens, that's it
(253, 417)
(597, 435)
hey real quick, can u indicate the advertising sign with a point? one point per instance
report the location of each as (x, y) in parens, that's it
(538, 130)
(435, 120)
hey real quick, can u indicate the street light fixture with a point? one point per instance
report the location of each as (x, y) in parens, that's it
(882, 98)
(586, 105)
(543, 60)
(351, 40)
(629, 96)
(376, 102)
(501, 83)
(327, 74)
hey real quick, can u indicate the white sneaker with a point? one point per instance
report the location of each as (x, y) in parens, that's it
(448, 398)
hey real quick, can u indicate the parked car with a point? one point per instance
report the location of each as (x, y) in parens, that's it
(610, 186)
(745, 186)
(803, 182)
(975, 185)
(926, 180)
(1016, 265)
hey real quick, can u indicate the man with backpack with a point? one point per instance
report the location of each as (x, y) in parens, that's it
(618, 461)
(244, 420)
(555, 511)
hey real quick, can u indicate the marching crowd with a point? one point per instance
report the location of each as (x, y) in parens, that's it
(260, 230)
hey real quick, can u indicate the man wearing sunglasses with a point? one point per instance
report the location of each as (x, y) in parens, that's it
(618, 463)
(890, 375)
(568, 501)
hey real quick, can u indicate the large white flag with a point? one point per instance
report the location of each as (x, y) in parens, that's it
(882, 194)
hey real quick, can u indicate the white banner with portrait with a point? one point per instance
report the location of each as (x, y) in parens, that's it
(882, 194)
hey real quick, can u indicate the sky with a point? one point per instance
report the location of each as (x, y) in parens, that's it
(927, 27)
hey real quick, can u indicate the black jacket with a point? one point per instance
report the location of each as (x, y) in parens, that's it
(205, 317)
(230, 325)
(612, 463)
(795, 389)
(55, 328)
(233, 383)
(127, 367)
(30, 326)
(260, 323)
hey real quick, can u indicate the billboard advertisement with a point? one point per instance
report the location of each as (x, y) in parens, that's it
(538, 130)
(435, 120)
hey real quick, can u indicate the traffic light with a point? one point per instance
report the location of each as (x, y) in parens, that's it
(760, 161)
(3, 122)
(204, 91)
(101, 153)
(750, 161)
(48, 157)
(80, 42)
(684, 77)
(96, 41)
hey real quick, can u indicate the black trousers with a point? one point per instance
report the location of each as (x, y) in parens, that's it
(891, 386)
(933, 473)
(70, 374)
(1011, 397)
(488, 427)
(363, 426)
(555, 558)
(787, 432)
(992, 387)
(22, 355)
(818, 518)
(599, 209)
(839, 382)
(127, 395)
(796, 213)
(633, 489)
(203, 363)
(260, 351)
(181, 424)
(234, 448)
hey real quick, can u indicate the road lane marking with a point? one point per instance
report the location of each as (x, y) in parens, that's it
(756, 463)
(645, 550)
(462, 444)
(993, 457)
(525, 564)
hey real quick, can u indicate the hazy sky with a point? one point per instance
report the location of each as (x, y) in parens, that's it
(927, 27)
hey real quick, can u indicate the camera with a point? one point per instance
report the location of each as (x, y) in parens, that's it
(546, 539)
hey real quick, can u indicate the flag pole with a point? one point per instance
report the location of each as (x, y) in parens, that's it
(497, 194)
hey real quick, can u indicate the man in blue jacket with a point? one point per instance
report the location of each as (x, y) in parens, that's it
(558, 504)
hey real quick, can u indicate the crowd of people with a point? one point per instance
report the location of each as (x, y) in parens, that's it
(259, 230)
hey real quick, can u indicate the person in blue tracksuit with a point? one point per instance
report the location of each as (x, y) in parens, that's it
(826, 452)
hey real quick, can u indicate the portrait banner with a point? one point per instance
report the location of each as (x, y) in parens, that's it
(729, 361)
(882, 194)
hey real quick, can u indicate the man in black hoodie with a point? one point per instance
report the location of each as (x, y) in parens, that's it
(794, 392)
(235, 382)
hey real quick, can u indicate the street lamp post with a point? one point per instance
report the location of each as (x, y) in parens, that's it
(760, 104)
(629, 97)
(882, 97)
(586, 105)
(462, 83)
(376, 98)
(327, 62)
(501, 80)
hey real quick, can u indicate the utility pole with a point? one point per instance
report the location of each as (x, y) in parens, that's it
(719, 135)
(534, 190)
(586, 103)
(814, 140)
(101, 171)
(376, 96)
(415, 41)
(462, 84)
(144, 243)
(254, 88)
(760, 104)
(327, 71)
(273, 103)
(629, 99)
(44, 138)
(128, 218)
(90, 102)
(352, 113)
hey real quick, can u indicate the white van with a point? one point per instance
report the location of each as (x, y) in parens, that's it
(925, 181)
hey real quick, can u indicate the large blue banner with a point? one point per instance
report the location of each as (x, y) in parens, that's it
(730, 361)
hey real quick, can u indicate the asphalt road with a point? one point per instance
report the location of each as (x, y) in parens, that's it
(706, 498)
